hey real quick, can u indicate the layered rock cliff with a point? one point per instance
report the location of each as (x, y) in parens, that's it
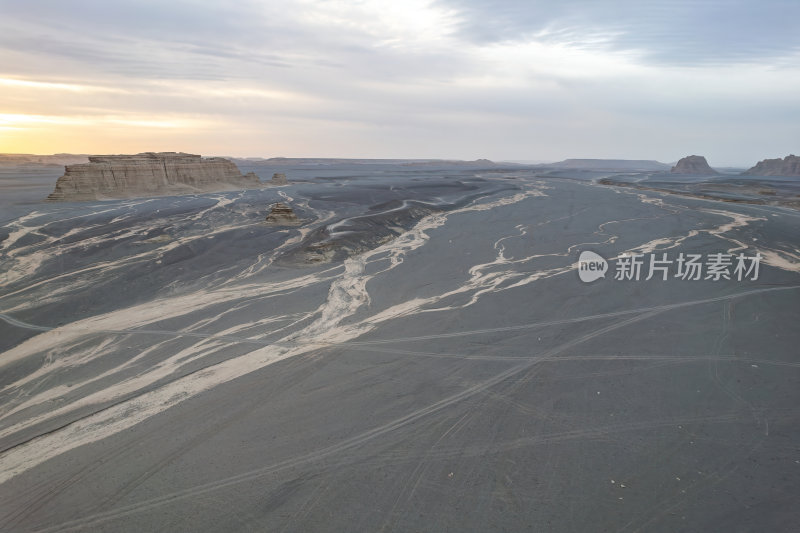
(149, 174)
(693, 164)
(788, 166)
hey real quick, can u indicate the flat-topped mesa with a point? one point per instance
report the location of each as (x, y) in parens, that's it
(693, 164)
(149, 174)
(788, 166)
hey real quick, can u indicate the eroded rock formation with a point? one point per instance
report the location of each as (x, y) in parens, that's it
(282, 214)
(149, 174)
(788, 166)
(279, 178)
(693, 164)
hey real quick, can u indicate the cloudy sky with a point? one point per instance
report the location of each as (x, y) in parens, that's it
(501, 79)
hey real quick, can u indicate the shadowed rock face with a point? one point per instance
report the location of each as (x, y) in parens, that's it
(282, 214)
(149, 174)
(693, 164)
(788, 166)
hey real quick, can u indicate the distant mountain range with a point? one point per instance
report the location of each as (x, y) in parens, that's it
(334, 161)
(611, 164)
(50, 160)
(788, 166)
(582, 164)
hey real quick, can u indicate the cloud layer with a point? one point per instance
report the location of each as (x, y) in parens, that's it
(420, 78)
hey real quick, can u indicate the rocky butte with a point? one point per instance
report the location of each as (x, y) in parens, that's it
(149, 174)
(788, 166)
(693, 164)
(282, 215)
(279, 178)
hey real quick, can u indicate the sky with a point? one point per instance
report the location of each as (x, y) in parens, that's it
(461, 79)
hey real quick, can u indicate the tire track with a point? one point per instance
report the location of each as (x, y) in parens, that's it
(353, 442)
(232, 338)
(614, 314)
(46, 491)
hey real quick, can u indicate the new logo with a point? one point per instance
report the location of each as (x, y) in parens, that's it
(591, 266)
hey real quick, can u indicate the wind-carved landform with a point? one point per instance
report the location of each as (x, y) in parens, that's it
(149, 174)
(279, 178)
(764, 184)
(693, 164)
(282, 215)
(788, 166)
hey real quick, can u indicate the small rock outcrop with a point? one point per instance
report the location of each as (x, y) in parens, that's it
(279, 178)
(149, 174)
(693, 164)
(788, 166)
(281, 214)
